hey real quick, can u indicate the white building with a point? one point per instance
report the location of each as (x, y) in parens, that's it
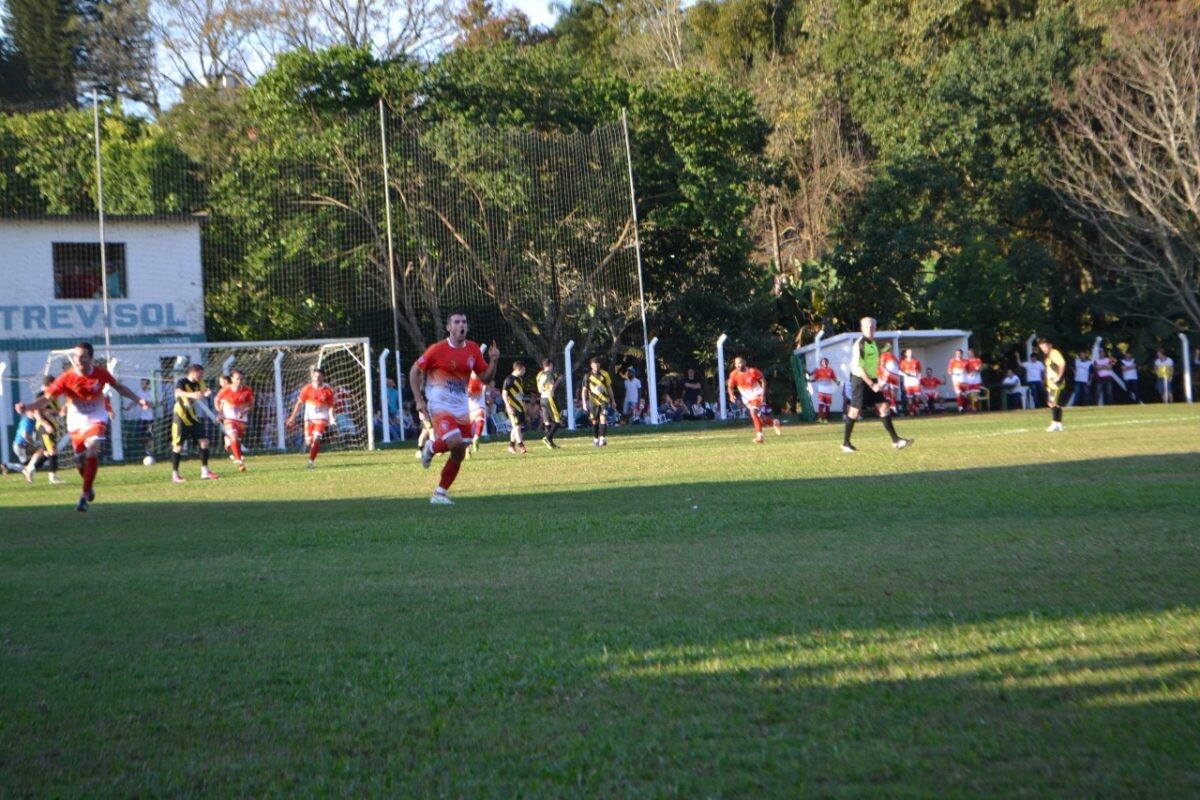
(50, 289)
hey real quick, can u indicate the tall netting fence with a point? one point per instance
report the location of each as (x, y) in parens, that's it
(307, 230)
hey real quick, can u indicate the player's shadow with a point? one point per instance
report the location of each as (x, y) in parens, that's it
(815, 636)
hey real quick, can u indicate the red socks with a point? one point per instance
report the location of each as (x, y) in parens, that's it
(449, 473)
(758, 421)
(236, 447)
(91, 465)
(312, 451)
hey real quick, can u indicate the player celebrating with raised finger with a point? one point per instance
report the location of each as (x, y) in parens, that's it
(439, 383)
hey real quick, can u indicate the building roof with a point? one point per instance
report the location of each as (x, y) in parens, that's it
(108, 218)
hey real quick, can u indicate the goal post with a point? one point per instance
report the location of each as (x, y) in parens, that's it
(275, 370)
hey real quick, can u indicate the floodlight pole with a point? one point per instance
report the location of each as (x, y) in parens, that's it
(387, 427)
(118, 441)
(652, 377)
(637, 243)
(569, 372)
(100, 218)
(1187, 368)
(391, 255)
(721, 372)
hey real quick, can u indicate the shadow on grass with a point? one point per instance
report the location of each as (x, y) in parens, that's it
(1024, 634)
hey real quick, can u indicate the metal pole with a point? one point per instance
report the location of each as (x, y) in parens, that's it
(4, 412)
(118, 441)
(391, 255)
(1187, 368)
(652, 376)
(366, 365)
(721, 372)
(400, 386)
(100, 217)
(1029, 346)
(569, 371)
(386, 416)
(279, 408)
(637, 243)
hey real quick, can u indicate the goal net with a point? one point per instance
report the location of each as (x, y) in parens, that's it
(275, 371)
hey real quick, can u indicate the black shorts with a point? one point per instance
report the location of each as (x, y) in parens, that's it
(596, 411)
(862, 395)
(516, 419)
(550, 410)
(183, 432)
(1054, 393)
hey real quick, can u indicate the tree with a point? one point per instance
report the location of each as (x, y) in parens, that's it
(118, 51)
(1130, 157)
(45, 38)
(210, 42)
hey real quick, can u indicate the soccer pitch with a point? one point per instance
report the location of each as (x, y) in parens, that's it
(994, 611)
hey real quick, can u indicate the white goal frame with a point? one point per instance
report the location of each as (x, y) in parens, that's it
(183, 348)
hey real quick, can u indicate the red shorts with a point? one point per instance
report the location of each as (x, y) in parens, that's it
(94, 430)
(959, 388)
(315, 427)
(824, 399)
(445, 423)
(912, 391)
(235, 429)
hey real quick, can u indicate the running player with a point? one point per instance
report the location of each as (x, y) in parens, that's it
(476, 405)
(233, 406)
(752, 386)
(866, 387)
(957, 368)
(547, 382)
(87, 416)
(190, 393)
(317, 399)
(910, 373)
(514, 406)
(439, 383)
(825, 382)
(45, 423)
(597, 395)
(1056, 381)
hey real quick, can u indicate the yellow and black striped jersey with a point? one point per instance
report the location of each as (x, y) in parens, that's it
(514, 392)
(545, 384)
(185, 407)
(1056, 368)
(599, 387)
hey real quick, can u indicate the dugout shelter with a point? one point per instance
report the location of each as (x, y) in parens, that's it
(933, 348)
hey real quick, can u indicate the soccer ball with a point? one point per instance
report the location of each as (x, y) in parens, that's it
(148, 461)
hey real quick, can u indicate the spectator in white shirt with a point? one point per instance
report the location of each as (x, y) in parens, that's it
(633, 390)
(1083, 380)
(1129, 374)
(1035, 373)
(1014, 392)
(1103, 366)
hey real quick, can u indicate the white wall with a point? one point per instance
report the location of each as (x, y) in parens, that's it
(164, 292)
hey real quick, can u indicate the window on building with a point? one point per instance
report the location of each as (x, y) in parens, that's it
(77, 270)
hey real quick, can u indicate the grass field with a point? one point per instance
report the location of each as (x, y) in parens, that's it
(996, 611)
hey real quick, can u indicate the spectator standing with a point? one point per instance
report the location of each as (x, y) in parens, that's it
(1129, 374)
(1083, 380)
(1014, 393)
(1164, 374)
(633, 391)
(1103, 366)
(693, 389)
(1035, 374)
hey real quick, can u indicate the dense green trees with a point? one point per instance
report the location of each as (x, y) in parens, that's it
(798, 163)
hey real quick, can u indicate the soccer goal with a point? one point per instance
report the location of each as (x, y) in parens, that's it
(275, 370)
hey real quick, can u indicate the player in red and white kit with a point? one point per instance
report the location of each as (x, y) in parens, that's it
(87, 411)
(439, 382)
(317, 399)
(477, 408)
(750, 384)
(889, 373)
(957, 368)
(972, 379)
(929, 388)
(825, 382)
(910, 374)
(233, 406)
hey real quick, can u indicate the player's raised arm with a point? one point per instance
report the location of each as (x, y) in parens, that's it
(493, 360)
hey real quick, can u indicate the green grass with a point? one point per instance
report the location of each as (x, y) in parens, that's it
(997, 611)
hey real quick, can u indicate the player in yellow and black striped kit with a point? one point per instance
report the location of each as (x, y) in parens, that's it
(1056, 381)
(514, 404)
(46, 425)
(597, 396)
(547, 382)
(186, 425)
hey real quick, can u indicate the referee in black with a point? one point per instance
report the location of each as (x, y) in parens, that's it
(866, 387)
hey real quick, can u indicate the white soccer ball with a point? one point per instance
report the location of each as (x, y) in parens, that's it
(148, 461)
